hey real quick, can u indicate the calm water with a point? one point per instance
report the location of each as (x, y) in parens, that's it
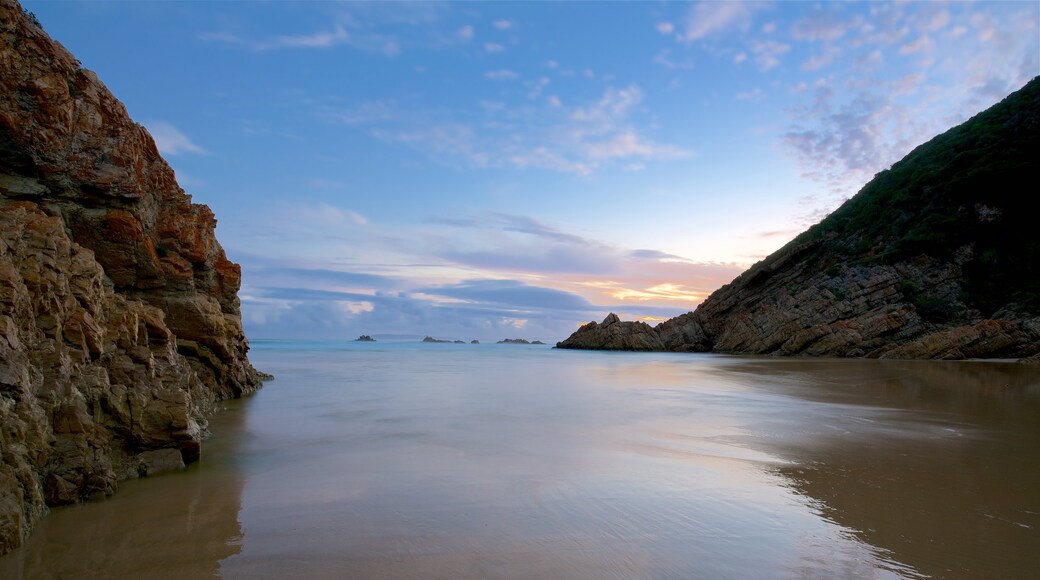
(410, 460)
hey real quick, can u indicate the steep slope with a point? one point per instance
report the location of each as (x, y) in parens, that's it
(119, 317)
(934, 258)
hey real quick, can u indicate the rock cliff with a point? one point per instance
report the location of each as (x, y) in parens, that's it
(935, 258)
(119, 317)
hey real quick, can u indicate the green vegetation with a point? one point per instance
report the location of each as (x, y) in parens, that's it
(32, 18)
(966, 187)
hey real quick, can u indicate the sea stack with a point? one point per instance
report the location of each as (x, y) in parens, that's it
(935, 258)
(119, 317)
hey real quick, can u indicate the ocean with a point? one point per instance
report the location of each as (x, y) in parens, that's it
(398, 459)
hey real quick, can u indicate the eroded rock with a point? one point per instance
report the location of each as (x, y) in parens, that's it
(119, 318)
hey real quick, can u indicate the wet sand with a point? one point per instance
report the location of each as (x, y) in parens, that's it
(412, 461)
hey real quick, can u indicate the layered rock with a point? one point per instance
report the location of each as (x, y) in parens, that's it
(613, 334)
(935, 258)
(119, 317)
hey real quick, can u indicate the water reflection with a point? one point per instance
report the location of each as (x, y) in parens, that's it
(178, 525)
(937, 463)
(408, 461)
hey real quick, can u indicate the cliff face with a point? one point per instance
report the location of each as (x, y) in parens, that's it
(934, 258)
(119, 317)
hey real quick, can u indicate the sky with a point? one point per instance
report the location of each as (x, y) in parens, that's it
(502, 170)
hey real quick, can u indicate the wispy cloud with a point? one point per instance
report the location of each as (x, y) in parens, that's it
(580, 139)
(502, 75)
(848, 127)
(706, 19)
(370, 27)
(320, 39)
(614, 103)
(324, 213)
(169, 140)
(768, 53)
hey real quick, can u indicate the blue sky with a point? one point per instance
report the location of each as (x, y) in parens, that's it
(492, 170)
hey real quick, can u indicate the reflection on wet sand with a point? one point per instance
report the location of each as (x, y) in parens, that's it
(178, 525)
(404, 461)
(944, 475)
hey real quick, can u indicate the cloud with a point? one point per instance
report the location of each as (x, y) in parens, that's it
(366, 26)
(169, 140)
(755, 94)
(503, 24)
(822, 27)
(664, 58)
(512, 223)
(823, 58)
(505, 270)
(445, 142)
(323, 39)
(768, 53)
(502, 75)
(518, 244)
(900, 77)
(922, 43)
(614, 103)
(666, 28)
(493, 47)
(706, 19)
(324, 213)
(364, 113)
(276, 272)
(846, 143)
(465, 32)
(509, 294)
(628, 145)
(544, 135)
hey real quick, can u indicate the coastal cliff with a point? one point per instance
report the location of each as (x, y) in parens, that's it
(935, 258)
(120, 325)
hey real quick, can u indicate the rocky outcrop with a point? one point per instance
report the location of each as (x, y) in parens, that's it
(119, 317)
(935, 258)
(613, 334)
(519, 341)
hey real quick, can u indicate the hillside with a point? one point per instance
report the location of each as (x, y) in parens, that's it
(933, 258)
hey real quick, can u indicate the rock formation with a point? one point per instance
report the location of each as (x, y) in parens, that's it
(934, 258)
(614, 334)
(119, 317)
(519, 341)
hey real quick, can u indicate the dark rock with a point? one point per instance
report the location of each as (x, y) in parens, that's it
(613, 334)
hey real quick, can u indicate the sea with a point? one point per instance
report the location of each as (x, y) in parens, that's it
(403, 459)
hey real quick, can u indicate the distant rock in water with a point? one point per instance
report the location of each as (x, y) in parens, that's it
(935, 258)
(119, 313)
(432, 339)
(519, 341)
(474, 341)
(364, 338)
